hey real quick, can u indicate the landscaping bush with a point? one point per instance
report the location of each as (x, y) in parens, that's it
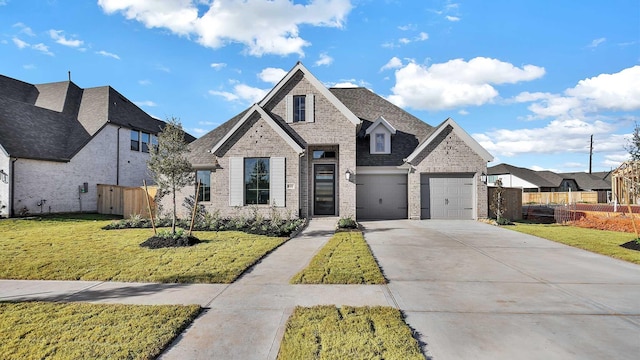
(347, 223)
(258, 225)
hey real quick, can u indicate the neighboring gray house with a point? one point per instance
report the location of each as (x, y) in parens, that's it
(57, 141)
(547, 181)
(308, 151)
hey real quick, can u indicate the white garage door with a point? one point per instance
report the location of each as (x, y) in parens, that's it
(381, 197)
(446, 196)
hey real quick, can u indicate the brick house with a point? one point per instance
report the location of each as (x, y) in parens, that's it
(58, 141)
(310, 151)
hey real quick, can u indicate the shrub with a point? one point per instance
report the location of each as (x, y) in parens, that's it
(347, 223)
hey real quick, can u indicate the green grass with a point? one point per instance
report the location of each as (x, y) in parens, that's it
(598, 241)
(37, 330)
(345, 259)
(327, 332)
(78, 249)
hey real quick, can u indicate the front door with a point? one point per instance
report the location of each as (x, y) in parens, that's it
(324, 189)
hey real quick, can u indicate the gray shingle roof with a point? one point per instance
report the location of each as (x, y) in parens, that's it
(363, 103)
(590, 182)
(54, 121)
(543, 179)
(369, 106)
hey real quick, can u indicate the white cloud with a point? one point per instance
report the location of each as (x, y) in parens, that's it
(208, 123)
(274, 24)
(463, 112)
(24, 29)
(218, 66)
(557, 137)
(575, 165)
(28, 66)
(456, 82)
(108, 54)
(596, 42)
(20, 44)
(147, 103)
(619, 91)
(393, 63)
(144, 82)
(422, 36)
(163, 68)
(404, 41)
(42, 48)
(452, 18)
(198, 131)
(57, 36)
(243, 93)
(272, 75)
(346, 84)
(407, 27)
(324, 60)
(605, 92)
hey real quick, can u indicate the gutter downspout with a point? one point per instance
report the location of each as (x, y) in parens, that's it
(12, 210)
(118, 156)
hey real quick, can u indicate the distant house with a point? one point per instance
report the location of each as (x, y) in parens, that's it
(547, 181)
(57, 141)
(306, 150)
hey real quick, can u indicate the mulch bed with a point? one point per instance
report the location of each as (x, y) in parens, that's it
(157, 242)
(632, 245)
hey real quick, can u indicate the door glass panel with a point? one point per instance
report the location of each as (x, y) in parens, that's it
(324, 189)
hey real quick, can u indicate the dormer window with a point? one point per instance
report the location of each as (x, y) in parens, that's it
(300, 108)
(380, 136)
(380, 143)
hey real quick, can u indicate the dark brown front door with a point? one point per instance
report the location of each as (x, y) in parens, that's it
(324, 189)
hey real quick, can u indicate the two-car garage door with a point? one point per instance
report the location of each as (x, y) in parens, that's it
(446, 196)
(443, 196)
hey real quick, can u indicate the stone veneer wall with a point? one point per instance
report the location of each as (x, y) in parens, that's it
(448, 154)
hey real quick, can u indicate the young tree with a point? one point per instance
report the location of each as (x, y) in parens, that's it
(498, 204)
(633, 144)
(168, 164)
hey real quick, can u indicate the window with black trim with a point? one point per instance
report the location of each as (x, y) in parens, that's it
(135, 140)
(203, 177)
(299, 108)
(256, 181)
(145, 139)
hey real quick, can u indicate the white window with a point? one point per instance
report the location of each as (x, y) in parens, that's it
(380, 143)
(257, 181)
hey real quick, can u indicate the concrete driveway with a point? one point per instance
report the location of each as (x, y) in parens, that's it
(475, 291)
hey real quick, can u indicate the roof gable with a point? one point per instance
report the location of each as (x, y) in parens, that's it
(317, 85)
(381, 122)
(540, 179)
(471, 142)
(268, 119)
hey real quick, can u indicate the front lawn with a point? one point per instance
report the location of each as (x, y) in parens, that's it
(598, 241)
(345, 259)
(37, 330)
(327, 332)
(78, 249)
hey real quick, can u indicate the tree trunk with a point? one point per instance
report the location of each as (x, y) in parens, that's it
(173, 220)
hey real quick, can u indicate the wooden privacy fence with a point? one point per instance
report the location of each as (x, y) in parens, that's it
(512, 203)
(570, 197)
(125, 201)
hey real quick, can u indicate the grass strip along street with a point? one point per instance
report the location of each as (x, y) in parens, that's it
(345, 259)
(38, 330)
(327, 332)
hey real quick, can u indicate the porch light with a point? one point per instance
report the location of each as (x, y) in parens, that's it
(347, 175)
(3, 176)
(483, 178)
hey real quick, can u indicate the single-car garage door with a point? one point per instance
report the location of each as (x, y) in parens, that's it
(446, 196)
(381, 196)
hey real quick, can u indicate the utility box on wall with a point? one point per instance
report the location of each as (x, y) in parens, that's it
(84, 188)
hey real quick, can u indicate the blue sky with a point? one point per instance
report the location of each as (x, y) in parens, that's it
(530, 80)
